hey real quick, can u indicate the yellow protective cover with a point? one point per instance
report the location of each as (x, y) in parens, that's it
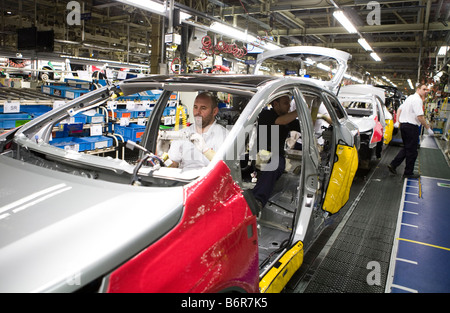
(281, 273)
(341, 178)
(388, 131)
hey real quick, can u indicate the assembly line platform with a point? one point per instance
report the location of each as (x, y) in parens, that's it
(421, 253)
(392, 235)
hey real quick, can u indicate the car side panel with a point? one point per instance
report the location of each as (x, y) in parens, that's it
(214, 246)
(377, 134)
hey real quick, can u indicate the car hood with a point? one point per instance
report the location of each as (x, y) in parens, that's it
(364, 124)
(59, 231)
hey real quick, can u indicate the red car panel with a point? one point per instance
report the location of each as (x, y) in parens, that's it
(214, 247)
(377, 131)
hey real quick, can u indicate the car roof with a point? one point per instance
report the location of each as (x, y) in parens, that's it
(361, 90)
(236, 81)
(227, 79)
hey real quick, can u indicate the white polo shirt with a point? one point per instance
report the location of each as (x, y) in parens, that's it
(410, 109)
(188, 156)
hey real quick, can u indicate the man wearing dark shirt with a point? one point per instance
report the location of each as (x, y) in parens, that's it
(285, 121)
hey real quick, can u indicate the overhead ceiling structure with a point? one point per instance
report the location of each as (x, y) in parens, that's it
(405, 35)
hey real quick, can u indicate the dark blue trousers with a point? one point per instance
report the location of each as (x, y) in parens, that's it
(410, 137)
(267, 179)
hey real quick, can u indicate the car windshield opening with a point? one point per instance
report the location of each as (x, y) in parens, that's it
(114, 139)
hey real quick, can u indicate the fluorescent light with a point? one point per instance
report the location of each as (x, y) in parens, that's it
(410, 84)
(340, 16)
(438, 76)
(365, 44)
(147, 5)
(270, 46)
(232, 32)
(375, 57)
(227, 30)
(443, 50)
(309, 61)
(323, 67)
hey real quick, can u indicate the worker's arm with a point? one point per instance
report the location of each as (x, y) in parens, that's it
(424, 123)
(325, 117)
(286, 118)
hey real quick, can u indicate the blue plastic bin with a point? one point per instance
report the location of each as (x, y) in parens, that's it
(96, 118)
(142, 113)
(132, 132)
(12, 120)
(71, 143)
(35, 110)
(98, 142)
(122, 113)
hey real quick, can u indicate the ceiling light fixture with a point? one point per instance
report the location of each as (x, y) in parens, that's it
(410, 84)
(147, 5)
(323, 67)
(340, 16)
(232, 32)
(365, 44)
(153, 7)
(443, 50)
(270, 46)
(375, 57)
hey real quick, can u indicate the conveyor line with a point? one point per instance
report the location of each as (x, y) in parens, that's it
(356, 249)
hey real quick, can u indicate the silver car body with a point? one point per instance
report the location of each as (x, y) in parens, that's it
(66, 218)
(365, 94)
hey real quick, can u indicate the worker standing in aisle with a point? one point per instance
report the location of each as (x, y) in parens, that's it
(411, 116)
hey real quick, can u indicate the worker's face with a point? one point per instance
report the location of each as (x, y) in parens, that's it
(204, 114)
(282, 105)
(422, 91)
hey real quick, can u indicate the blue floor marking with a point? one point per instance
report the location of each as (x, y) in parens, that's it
(418, 267)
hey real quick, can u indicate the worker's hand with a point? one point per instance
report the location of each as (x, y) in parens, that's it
(162, 146)
(397, 124)
(198, 142)
(321, 116)
(430, 132)
(294, 136)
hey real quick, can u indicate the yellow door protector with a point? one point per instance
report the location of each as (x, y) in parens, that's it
(388, 131)
(341, 178)
(280, 274)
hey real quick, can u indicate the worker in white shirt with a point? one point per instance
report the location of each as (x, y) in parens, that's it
(410, 116)
(206, 136)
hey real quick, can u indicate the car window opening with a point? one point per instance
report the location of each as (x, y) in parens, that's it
(276, 218)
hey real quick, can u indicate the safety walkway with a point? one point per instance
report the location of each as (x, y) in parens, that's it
(421, 254)
(358, 253)
(421, 251)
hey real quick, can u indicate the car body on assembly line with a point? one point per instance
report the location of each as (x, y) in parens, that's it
(123, 222)
(365, 106)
